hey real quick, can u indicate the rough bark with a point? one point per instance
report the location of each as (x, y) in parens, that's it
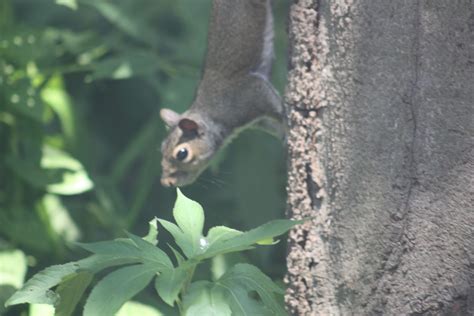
(381, 113)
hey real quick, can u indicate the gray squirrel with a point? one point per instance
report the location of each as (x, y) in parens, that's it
(234, 91)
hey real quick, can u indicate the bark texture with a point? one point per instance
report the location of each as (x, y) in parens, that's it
(381, 156)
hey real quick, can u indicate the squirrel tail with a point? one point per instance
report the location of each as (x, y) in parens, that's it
(240, 38)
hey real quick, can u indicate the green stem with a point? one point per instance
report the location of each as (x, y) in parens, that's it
(185, 288)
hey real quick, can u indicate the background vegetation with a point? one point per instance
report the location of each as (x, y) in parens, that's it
(81, 83)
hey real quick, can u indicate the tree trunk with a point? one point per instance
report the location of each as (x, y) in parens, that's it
(381, 113)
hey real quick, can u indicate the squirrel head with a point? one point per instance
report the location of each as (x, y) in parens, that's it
(187, 149)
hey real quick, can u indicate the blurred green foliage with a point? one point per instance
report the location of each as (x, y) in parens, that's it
(81, 83)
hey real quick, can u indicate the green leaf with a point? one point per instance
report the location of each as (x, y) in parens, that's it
(220, 264)
(120, 247)
(55, 96)
(189, 216)
(179, 258)
(96, 263)
(12, 268)
(241, 282)
(220, 234)
(179, 237)
(74, 180)
(57, 173)
(72, 4)
(136, 308)
(169, 283)
(152, 236)
(242, 290)
(59, 218)
(152, 254)
(124, 283)
(201, 300)
(133, 248)
(41, 310)
(37, 289)
(248, 239)
(70, 292)
(12, 273)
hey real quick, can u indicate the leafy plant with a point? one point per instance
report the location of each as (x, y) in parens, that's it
(241, 290)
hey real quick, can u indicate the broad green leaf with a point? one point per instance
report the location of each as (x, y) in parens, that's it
(241, 301)
(179, 237)
(96, 263)
(152, 254)
(179, 258)
(169, 283)
(248, 239)
(189, 216)
(37, 289)
(58, 172)
(220, 264)
(59, 218)
(132, 308)
(124, 283)
(55, 95)
(74, 180)
(72, 4)
(54, 158)
(220, 234)
(70, 292)
(240, 282)
(135, 249)
(41, 310)
(200, 300)
(12, 274)
(152, 236)
(120, 247)
(12, 268)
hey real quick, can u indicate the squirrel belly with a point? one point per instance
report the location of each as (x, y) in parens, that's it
(234, 91)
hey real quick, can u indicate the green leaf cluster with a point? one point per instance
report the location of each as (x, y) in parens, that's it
(241, 290)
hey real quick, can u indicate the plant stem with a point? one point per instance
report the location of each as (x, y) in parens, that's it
(185, 288)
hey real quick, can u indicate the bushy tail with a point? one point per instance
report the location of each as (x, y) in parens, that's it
(240, 38)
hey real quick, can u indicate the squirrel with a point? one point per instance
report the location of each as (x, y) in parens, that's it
(234, 91)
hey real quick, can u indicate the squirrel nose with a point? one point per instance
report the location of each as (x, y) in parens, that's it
(168, 182)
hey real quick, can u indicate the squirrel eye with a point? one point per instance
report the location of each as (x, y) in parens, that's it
(183, 153)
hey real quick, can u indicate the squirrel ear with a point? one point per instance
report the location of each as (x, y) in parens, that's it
(170, 117)
(188, 125)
